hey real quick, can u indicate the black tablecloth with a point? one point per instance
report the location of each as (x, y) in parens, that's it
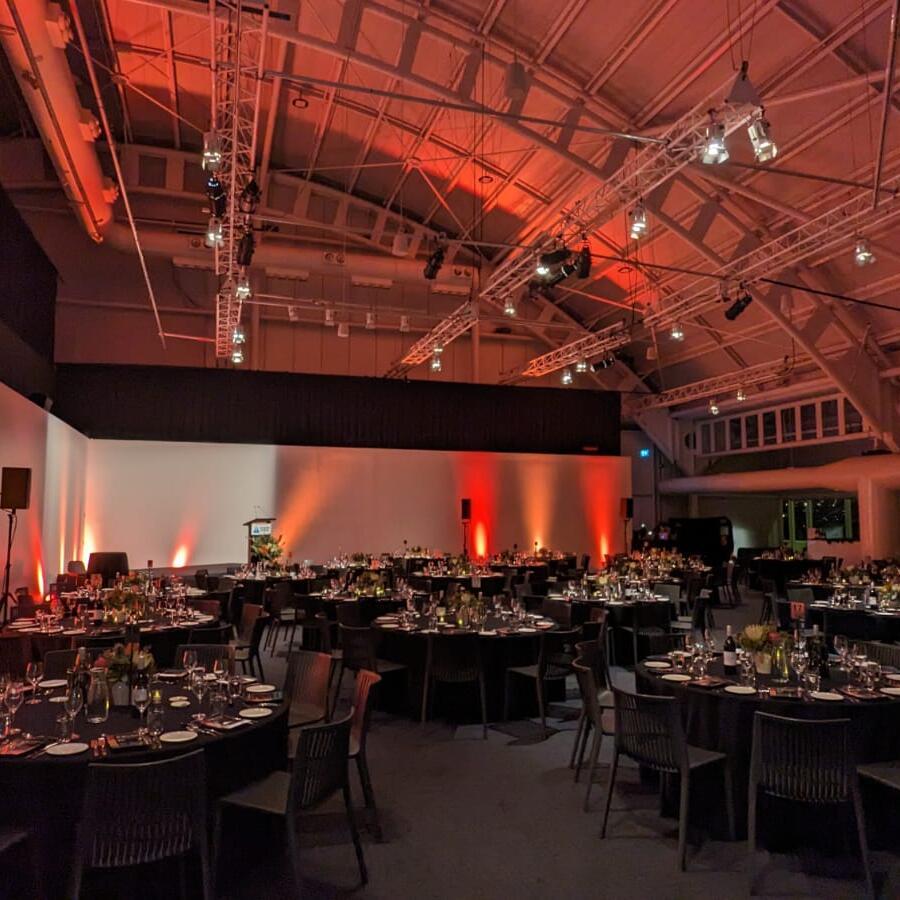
(716, 720)
(44, 794)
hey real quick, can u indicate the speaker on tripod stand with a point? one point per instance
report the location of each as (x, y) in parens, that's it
(465, 513)
(15, 492)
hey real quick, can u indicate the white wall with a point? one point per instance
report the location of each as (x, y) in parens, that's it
(154, 499)
(755, 519)
(49, 531)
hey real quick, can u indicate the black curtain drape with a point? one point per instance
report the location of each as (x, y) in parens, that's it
(220, 405)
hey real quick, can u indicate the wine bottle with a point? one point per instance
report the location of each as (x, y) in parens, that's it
(729, 653)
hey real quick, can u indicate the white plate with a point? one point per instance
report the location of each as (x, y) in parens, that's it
(740, 689)
(210, 676)
(179, 704)
(527, 630)
(388, 625)
(69, 749)
(178, 737)
(261, 688)
(74, 631)
(248, 679)
(487, 632)
(893, 677)
(891, 691)
(60, 699)
(205, 618)
(255, 712)
(179, 697)
(50, 683)
(826, 695)
(657, 664)
(172, 676)
(676, 676)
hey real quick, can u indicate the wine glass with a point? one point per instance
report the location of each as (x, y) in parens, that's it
(799, 663)
(189, 661)
(199, 686)
(140, 697)
(33, 673)
(842, 648)
(14, 696)
(72, 705)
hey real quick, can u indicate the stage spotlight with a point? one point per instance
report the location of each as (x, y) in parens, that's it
(245, 250)
(237, 355)
(516, 82)
(764, 148)
(212, 151)
(581, 366)
(404, 324)
(714, 149)
(242, 288)
(637, 219)
(584, 261)
(214, 236)
(713, 408)
(436, 364)
(250, 197)
(509, 306)
(218, 200)
(238, 336)
(605, 362)
(435, 261)
(548, 263)
(567, 376)
(862, 255)
(738, 307)
(676, 332)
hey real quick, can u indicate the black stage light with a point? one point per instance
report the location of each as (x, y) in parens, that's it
(584, 261)
(250, 197)
(245, 249)
(433, 266)
(217, 198)
(738, 306)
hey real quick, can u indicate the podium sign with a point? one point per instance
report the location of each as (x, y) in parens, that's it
(260, 527)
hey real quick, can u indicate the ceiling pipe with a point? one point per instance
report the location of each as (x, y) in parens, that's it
(886, 105)
(34, 34)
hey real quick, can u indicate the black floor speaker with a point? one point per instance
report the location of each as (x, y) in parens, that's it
(15, 488)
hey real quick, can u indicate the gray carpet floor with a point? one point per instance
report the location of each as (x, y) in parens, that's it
(472, 819)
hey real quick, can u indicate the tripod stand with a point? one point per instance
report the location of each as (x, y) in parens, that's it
(6, 596)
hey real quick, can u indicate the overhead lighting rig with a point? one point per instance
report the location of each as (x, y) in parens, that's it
(744, 299)
(637, 222)
(435, 262)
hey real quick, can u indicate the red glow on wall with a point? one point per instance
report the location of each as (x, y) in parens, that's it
(603, 486)
(476, 478)
(179, 560)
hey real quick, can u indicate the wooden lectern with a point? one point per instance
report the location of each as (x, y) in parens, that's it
(257, 528)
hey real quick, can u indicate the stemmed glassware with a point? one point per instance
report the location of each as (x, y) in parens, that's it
(199, 686)
(33, 673)
(140, 696)
(842, 648)
(72, 705)
(14, 696)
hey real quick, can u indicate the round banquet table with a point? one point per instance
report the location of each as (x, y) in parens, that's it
(488, 585)
(43, 793)
(502, 645)
(156, 634)
(856, 623)
(717, 720)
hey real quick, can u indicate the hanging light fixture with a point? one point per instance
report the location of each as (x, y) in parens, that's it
(740, 396)
(862, 255)
(343, 330)
(567, 376)
(370, 321)
(713, 408)
(509, 306)
(237, 355)
(404, 324)
(714, 151)
(581, 366)
(434, 263)
(242, 288)
(214, 238)
(218, 199)
(676, 332)
(583, 260)
(329, 316)
(250, 197)
(637, 219)
(246, 248)
(293, 314)
(764, 147)
(238, 336)
(402, 242)
(212, 151)
(436, 364)
(516, 82)
(739, 305)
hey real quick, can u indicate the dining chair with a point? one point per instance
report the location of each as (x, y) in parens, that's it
(358, 653)
(591, 720)
(556, 650)
(201, 577)
(306, 685)
(885, 654)
(207, 655)
(216, 634)
(361, 717)
(139, 813)
(453, 659)
(649, 731)
(593, 655)
(558, 609)
(58, 662)
(246, 649)
(770, 595)
(809, 761)
(283, 613)
(21, 878)
(320, 771)
(650, 625)
(207, 607)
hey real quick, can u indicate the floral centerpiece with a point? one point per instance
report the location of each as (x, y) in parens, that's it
(764, 642)
(122, 601)
(360, 559)
(120, 662)
(368, 583)
(267, 549)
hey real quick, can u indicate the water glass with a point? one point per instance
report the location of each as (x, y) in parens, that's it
(235, 686)
(813, 681)
(33, 673)
(218, 699)
(748, 670)
(97, 705)
(155, 721)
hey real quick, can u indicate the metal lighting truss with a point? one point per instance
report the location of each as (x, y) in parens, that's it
(712, 387)
(457, 323)
(595, 344)
(238, 33)
(645, 170)
(836, 226)
(641, 173)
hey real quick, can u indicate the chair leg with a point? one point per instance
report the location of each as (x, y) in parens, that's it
(258, 659)
(506, 697)
(751, 838)
(609, 792)
(354, 833)
(863, 841)
(294, 850)
(579, 733)
(683, 808)
(583, 748)
(539, 686)
(634, 639)
(729, 802)
(592, 766)
(483, 705)
(362, 766)
(425, 687)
